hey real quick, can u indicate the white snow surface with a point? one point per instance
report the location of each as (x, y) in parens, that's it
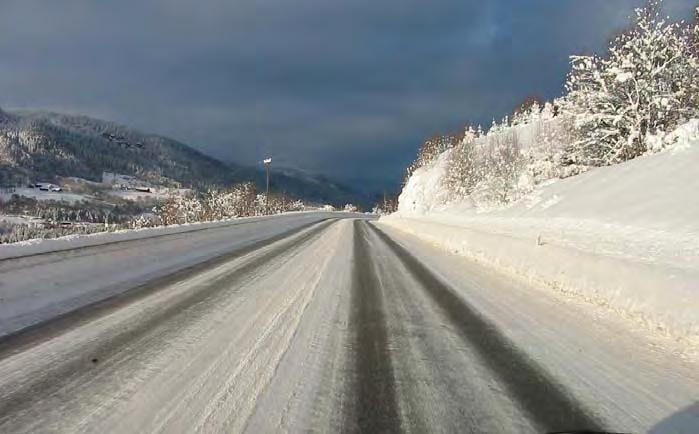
(623, 236)
(20, 219)
(38, 194)
(424, 191)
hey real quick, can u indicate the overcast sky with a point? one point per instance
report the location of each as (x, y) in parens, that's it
(344, 88)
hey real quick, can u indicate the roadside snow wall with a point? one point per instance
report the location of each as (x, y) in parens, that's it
(624, 236)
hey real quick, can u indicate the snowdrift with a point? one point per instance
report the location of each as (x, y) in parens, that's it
(624, 236)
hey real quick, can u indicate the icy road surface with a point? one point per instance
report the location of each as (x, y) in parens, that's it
(309, 323)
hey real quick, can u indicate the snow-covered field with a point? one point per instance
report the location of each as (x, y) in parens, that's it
(624, 236)
(20, 219)
(38, 194)
(137, 195)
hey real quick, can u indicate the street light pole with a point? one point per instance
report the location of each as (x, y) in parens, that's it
(267, 161)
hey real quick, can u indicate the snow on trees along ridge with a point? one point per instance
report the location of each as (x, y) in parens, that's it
(616, 107)
(38, 145)
(57, 219)
(648, 84)
(241, 200)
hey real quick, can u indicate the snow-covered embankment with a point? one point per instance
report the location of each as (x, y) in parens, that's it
(625, 237)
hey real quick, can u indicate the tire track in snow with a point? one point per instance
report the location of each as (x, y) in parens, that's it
(545, 401)
(308, 390)
(375, 407)
(218, 361)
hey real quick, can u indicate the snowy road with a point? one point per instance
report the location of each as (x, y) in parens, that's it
(317, 324)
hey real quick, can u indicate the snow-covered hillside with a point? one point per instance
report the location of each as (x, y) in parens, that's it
(624, 236)
(493, 168)
(651, 190)
(38, 146)
(593, 194)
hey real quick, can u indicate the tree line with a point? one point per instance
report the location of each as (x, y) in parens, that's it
(616, 107)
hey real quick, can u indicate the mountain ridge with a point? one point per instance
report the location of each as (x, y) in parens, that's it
(48, 145)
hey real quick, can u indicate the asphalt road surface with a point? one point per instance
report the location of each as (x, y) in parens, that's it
(322, 324)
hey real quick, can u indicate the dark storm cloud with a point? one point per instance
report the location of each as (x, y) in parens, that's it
(339, 87)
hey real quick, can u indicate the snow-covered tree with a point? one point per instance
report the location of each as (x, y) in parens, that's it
(462, 166)
(643, 87)
(387, 205)
(237, 201)
(694, 32)
(504, 163)
(181, 208)
(693, 36)
(532, 105)
(430, 150)
(240, 200)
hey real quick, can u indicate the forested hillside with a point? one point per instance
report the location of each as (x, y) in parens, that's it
(317, 189)
(45, 145)
(42, 146)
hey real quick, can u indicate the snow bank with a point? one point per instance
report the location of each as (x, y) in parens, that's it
(425, 190)
(38, 246)
(623, 236)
